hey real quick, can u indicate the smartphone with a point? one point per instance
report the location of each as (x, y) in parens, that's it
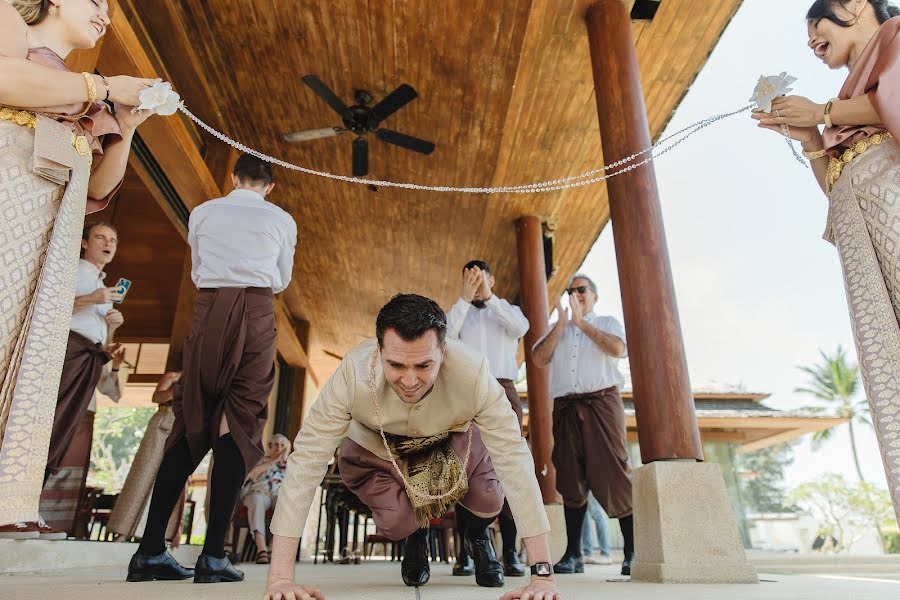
(122, 286)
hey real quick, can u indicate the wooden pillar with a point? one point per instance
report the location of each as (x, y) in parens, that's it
(664, 406)
(295, 415)
(533, 282)
(181, 324)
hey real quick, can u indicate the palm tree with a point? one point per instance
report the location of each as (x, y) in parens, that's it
(835, 381)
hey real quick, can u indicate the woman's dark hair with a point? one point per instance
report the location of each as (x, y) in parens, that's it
(253, 170)
(824, 9)
(411, 316)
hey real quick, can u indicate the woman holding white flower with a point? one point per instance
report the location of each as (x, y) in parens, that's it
(856, 160)
(63, 153)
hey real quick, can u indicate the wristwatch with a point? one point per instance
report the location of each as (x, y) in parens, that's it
(542, 569)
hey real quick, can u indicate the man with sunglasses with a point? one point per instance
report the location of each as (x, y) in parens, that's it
(493, 327)
(590, 452)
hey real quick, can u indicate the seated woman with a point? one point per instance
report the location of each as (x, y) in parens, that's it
(261, 490)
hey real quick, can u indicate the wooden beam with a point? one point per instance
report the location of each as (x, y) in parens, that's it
(220, 158)
(168, 138)
(288, 345)
(181, 325)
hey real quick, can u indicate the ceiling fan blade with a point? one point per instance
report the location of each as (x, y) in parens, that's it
(313, 134)
(360, 157)
(393, 102)
(324, 92)
(405, 141)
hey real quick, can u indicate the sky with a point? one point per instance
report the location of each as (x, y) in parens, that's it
(759, 292)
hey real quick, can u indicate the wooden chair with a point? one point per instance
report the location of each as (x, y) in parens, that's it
(85, 510)
(238, 522)
(373, 539)
(100, 513)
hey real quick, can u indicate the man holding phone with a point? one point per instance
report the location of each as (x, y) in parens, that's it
(90, 346)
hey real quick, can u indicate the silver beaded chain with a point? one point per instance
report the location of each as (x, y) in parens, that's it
(664, 145)
(786, 132)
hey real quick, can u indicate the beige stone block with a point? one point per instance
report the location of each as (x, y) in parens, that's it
(685, 531)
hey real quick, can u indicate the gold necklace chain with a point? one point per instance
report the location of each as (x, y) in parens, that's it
(463, 475)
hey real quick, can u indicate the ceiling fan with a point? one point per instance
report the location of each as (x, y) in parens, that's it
(362, 119)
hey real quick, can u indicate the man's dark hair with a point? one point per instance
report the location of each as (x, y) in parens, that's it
(477, 263)
(411, 316)
(252, 170)
(88, 227)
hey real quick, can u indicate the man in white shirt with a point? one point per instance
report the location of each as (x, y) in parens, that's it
(91, 329)
(493, 327)
(242, 251)
(590, 446)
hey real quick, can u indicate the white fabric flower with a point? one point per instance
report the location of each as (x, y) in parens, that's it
(771, 87)
(160, 98)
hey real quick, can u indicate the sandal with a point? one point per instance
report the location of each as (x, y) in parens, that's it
(262, 557)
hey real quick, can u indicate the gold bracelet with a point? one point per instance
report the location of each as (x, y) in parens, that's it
(827, 115)
(92, 96)
(815, 154)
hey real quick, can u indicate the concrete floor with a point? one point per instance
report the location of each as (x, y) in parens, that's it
(378, 580)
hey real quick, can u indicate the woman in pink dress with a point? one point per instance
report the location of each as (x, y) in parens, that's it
(63, 153)
(856, 160)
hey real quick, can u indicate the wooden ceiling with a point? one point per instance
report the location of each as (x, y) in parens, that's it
(505, 91)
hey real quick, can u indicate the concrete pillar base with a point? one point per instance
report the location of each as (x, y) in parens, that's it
(685, 531)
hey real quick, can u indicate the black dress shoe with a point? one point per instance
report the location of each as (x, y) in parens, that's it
(569, 563)
(415, 567)
(144, 567)
(512, 567)
(210, 569)
(488, 572)
(626, 564)
(463, 566)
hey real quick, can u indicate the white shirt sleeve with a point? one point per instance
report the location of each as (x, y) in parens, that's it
(513, 319)
(192, 242)
(324, 427)
(286, 258)
(456, 317)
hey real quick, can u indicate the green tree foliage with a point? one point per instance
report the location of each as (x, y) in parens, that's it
(847, 510)
(762, 478)
(117, 434)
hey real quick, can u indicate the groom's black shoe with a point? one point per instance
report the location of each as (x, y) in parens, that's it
(415, 568)
(463, 566)
(488, 571)
(164, 567)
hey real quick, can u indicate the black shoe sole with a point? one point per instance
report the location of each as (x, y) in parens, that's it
(576, 570)
(463, 573)
(215, 579)
(141, 577)
(490, 583)
(511, 572)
